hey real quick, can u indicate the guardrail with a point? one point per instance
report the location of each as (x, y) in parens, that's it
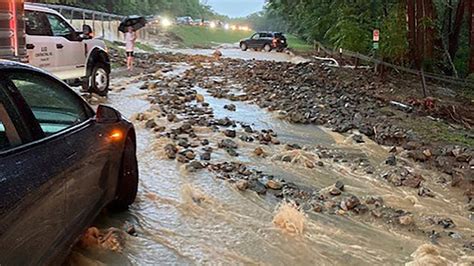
(106, 24)
(432, 76)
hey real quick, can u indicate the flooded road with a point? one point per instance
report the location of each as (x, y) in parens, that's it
(189, 218)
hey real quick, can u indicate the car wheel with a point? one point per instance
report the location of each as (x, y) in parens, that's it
(243, 46)
(100, 80)
(267, 48)
(127, 186)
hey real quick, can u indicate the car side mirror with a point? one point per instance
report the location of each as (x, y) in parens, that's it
(86, 32)
(107, 115)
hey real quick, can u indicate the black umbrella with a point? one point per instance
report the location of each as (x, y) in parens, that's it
(136, 22)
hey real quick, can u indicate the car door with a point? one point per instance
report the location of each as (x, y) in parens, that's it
(40, 48)
(253, 42)
(32, 191)
(65, 117)
(265, 38)
(70, 51)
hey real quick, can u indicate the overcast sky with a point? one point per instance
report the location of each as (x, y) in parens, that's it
(235, 8)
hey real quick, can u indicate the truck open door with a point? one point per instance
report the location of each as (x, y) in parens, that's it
(12, 30)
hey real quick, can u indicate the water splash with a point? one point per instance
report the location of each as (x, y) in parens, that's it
(427, 254)
(290, 219)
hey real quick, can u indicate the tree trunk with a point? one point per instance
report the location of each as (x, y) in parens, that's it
(471, 35)
(412, 31)
(420, 32)
(454, 36)
(430, 14)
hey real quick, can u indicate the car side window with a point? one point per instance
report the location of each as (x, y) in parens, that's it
(255, 36)
(59, 27)
(55, 107)
(37, 24)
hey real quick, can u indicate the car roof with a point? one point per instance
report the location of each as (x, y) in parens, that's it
(34, 7)
(13, 65)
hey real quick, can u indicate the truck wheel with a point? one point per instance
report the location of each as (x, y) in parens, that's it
(100, 80)
(267, 48)
(127, 186)
(243, 46)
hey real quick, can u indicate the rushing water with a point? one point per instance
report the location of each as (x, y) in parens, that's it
(194, 218)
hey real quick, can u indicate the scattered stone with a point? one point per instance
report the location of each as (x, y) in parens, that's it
(230, 133)
(339, 185)
(391, 160)
(150, 123)
(358, 139)
(425, 192)
(405, 220)
(194, 165)
(275, 185)
(171, 117)
(242, 185)
(258, 187)
(230, 107)
(170, 151)
(349, 203)
(199, 98)
(205, 156)
(317, 207)
(181, 158)
(334, 191)
(412, 181)
(446, 223)
(231, 152)
(228, 143)
(259, 152)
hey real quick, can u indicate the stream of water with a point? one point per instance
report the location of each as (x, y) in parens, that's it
(194, 218)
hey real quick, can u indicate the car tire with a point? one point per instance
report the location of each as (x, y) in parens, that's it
(100, 80)
(267, 48)
(243, 47)
(127, 186)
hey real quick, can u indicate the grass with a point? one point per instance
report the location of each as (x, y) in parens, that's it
(201, 37)
(433, 131)
(205, 37)
(298, 44)
(145, 47)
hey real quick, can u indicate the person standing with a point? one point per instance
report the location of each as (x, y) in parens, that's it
(130, 38)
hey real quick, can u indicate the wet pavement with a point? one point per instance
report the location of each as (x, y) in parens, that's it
(184, 217)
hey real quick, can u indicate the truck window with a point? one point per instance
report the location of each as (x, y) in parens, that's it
(37, 24)
(59, 27)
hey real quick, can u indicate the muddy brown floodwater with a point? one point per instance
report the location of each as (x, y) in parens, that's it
(184, 217)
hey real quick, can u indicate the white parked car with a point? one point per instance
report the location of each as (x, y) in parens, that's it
(53, 44)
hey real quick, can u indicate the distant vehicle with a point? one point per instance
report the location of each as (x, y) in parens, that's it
(184, 20)
(43, 38)
(61, 164)
(267, 41)
(198, 22)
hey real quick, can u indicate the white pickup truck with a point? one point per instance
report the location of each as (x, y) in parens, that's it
(43, 38)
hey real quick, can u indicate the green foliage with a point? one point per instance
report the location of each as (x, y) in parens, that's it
(394, 32)
(349, 24)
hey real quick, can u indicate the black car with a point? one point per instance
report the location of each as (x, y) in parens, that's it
(61, 163)
(267, 41)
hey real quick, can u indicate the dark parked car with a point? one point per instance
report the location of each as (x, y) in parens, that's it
(61, 163)
(265, 40)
